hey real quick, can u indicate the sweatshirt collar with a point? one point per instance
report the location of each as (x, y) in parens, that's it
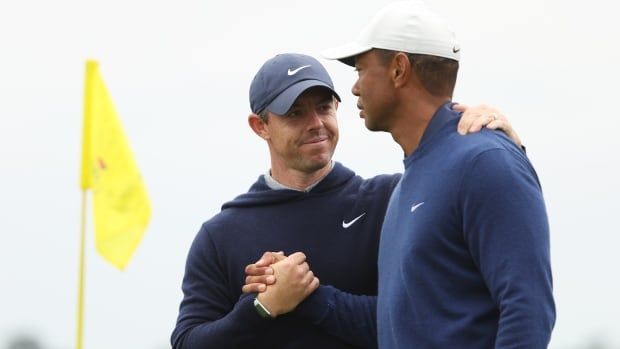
(442, 116)
(275, 185)
(261, 194)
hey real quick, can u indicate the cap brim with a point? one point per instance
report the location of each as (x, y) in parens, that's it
(281, 104)
(346, 54)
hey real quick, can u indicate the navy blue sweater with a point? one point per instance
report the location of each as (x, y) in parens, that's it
(464, 254)
(215, 314)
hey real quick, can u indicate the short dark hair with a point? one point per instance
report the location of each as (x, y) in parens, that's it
(437, 74)
(264, 115)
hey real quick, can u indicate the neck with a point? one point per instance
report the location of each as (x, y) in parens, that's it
(297, 179)
(413, 120)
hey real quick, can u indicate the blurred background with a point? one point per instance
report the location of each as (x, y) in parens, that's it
(179, 73)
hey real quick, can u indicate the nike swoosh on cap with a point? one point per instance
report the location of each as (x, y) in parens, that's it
(348, 224)
(294, 71)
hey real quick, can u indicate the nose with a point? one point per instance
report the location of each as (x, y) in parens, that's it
(315, 121)
(355, 89)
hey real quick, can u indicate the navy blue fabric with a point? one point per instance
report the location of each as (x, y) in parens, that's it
(464, 254)
(214, 313)
(283, 78)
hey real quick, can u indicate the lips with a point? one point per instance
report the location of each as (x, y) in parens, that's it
(359, 106)
(316, 139)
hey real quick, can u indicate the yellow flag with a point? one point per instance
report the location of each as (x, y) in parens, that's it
(121, 205)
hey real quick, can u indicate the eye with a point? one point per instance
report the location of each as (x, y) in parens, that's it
(324, 108)
(293, 113)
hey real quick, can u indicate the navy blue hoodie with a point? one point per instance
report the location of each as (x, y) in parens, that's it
(215, 314)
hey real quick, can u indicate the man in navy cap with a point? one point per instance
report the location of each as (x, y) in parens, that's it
(305, 202)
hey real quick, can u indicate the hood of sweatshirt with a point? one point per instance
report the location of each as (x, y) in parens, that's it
(260, 194)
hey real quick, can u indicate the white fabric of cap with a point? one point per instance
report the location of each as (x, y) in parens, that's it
(405, 26)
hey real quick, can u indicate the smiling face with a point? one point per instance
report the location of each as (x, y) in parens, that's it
(304, 139)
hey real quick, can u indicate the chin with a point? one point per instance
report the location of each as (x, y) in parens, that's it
(317, 162)
(373, 127)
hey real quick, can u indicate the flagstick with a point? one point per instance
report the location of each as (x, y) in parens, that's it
(80, 305)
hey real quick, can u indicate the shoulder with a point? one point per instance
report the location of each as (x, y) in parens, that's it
(352, 182)
(491, 161)
(381, 183)
(213, 231)
(471, 146)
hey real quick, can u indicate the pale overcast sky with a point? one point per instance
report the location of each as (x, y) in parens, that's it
(179, 73)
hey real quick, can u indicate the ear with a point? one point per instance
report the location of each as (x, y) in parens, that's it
(401, 69)
(258, 126)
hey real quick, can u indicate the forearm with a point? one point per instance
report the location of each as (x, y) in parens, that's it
(523, 289)
(241, 327)
(349, 317)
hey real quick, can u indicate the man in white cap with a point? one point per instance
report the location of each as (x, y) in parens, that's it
(464, 252)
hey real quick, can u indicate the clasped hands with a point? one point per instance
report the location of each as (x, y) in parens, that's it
(282, 282)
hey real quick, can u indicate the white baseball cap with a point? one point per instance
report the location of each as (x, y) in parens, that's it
(405, 26)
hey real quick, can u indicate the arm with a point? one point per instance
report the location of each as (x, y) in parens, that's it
(209, 316)
(352, 318)
(349, 317)
(506, 229)
(475, 118)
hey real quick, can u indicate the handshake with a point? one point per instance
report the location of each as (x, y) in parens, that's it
(281, 282)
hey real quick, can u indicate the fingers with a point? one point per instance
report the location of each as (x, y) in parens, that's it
(471, 123)
(257, 284)
(308, 280)
(459, 107)
(504, 125)
(263, 279)
(297, 258)
(291, 269)
(253, 288)
(314, 284)
(492, 119)
(253, 270)
(497, 124)
(481, 121)
(268, 258)
(294, 269)
(470, 120)
(263, 265)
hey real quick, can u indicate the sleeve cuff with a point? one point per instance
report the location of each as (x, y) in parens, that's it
(244, 311)
(317, 306)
